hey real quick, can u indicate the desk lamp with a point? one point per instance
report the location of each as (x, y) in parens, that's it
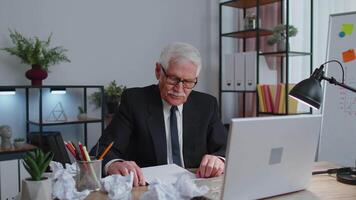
(309, 92)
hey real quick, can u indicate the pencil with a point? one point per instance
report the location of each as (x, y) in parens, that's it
(70, 150)
(87, 157)
(82, 151)
(106, 151)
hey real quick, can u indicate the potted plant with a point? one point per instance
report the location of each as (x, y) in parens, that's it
(37, 187)
(280, 34)
(112, 96)
(82, 115)
(19, 142)
(37, 53)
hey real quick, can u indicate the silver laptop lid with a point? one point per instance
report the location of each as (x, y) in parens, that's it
(268, 156)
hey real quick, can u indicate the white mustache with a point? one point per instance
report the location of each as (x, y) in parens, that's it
(176, 94)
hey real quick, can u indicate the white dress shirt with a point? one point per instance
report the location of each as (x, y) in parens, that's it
(166, 115)
(179, 115)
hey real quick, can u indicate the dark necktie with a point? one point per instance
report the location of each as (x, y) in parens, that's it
(174, 137)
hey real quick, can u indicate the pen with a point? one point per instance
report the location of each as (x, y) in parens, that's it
(106, 151)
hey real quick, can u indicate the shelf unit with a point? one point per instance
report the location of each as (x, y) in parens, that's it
(15, 153)
(41, 123)
(258, 35)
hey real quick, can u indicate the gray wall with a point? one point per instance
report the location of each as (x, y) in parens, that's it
(107, 40)
(111, 40)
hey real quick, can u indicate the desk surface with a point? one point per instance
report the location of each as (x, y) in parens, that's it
(323, 187)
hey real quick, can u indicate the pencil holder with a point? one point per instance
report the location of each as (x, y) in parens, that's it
(88, 175)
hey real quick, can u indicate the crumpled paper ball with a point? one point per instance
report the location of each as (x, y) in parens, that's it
(117, 186)
(63, 186)
(183, 189)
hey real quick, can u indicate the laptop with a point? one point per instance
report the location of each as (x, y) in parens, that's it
(269, 156)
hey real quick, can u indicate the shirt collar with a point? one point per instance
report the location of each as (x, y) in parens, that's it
(167, 107)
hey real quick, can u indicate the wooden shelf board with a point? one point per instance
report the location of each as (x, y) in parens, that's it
(69, 121)
(284, 53)
(15, 153)
(239, 91)
(247, 3)
(248, 33)
(270, 113)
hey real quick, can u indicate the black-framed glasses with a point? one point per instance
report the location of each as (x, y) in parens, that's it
(173, 80)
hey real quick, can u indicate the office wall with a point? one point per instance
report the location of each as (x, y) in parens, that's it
(108, 40)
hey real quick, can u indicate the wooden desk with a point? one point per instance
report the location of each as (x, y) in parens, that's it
(322, 187)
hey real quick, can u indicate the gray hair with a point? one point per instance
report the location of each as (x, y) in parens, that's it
(180, 51)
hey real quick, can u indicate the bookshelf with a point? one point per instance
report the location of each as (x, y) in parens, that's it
(15, 153)
(34, 113)
(288, 66)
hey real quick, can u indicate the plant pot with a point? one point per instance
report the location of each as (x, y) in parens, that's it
(112, 107)
(36, 74)
(82, 116)
(19, 144)
(281, 45)
(36, 190)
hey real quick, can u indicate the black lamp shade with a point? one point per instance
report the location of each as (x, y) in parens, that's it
(308, 91)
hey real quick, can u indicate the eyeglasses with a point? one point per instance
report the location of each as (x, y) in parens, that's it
(173, 80)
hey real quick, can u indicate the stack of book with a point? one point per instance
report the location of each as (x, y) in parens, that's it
(272, 99)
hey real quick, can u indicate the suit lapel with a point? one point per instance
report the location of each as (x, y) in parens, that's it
(190, 118)
(156, 126)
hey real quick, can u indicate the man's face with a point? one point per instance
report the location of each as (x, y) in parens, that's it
(172, 92)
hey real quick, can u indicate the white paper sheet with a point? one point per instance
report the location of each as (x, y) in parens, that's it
(165, 173)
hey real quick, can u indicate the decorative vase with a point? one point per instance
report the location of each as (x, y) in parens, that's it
(19, 144)
(112, 107)
(36, 74)
(36, 190)
(82, 116)
(281, 45)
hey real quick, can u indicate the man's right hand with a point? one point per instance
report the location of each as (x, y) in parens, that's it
(124, 168)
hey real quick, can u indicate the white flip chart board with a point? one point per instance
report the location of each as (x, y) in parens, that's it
(338, 133)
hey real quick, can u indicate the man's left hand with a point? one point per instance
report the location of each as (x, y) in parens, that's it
(210, 166)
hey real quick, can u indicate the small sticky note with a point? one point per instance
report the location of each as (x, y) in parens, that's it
(348, 55)
(348, 28)
(342, 34)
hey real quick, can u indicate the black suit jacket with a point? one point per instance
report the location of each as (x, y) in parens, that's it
(139, 133)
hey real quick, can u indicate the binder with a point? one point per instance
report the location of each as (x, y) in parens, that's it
(250, 66)
(228, 72)
(268, 98)
(261, 100)
(292, 103)
(282, 101)
(240, 72)
(273, 91)
(278, 98)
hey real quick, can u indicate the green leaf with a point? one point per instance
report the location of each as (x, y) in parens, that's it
(34, 170)
(37, 162)
(35, 51)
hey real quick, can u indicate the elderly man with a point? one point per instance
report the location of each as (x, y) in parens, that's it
(168, 122)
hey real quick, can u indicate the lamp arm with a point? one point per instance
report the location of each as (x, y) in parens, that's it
(332, 80)
(342, 68)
